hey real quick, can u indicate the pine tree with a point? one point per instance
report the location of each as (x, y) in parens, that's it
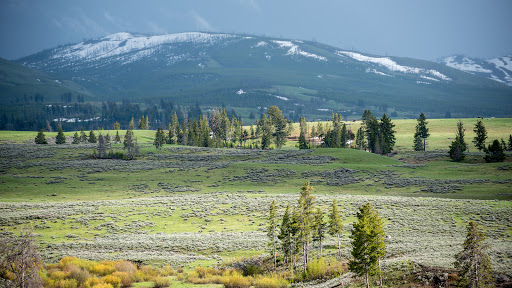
(76, 139)
(335, 224)
(130, 145)
(302, 141)
(131, 125)
(458, 146)
(305, 221)
(473, 263)
(494, 152)
(286, 234)
(387, 134)
(481, 135)
(142, 123)
(279, 124)
(40, 137)
(319, 227)
(421, 132)
(360, 143)
(117, 126)
(117, 139)
(509, 142)
(60, 138)
(272, 231)
(92, 137)
(159, 138)
(266, 130)
(83, 136)
(102, 146)
(146, 123)
(367, 243)
(418, 143)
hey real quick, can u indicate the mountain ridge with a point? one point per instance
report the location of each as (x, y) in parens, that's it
(210, 68)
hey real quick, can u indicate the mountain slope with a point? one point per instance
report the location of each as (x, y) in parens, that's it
(17, 82)
(301, 77)
(497, 69)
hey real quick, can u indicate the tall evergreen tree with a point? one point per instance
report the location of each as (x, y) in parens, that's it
(481, 135)
(319, 228)
(335, 224)
(279, 124)
(131, 125)
(387, 134)
(266, 131)
(458, 146)
(159, 138)
(494, 152)
(305, 222)
(60, 138)
(142, 123)
(83, 136)
(102, 147)
(473, 263)
(76, 138)
(92, 137)
(418, 142)
(117, 139)
(421, 132)
(117, 126)
(40, 137)
(286, 234)
(367, 243)
(509, 143)
(272, 231)
(130, 145)
(303, 144)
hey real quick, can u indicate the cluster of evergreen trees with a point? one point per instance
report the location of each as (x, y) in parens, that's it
(303, 228)
(217, 130)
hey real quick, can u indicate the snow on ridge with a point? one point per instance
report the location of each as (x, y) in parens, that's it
(503, 62)
(392, 65)
(467, 65)
(295, 50)
(368, 70)
(122, 43)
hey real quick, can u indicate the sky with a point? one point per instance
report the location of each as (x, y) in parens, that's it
(423, 29)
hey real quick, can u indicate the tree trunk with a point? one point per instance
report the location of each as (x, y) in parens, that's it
(367, 281)
(339, 246)
(424, 144)
(380, 276)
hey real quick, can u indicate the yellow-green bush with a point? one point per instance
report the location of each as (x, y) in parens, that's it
(161, 282)
(101, 269)
(270, 282)
(322, 269)
(125, 266)
(102, 285)
(167, 271)
(91, 282)
(236, 280)
(126, 278)
(112, 280)
(67, 283)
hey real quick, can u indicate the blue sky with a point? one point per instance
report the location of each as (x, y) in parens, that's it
(418, 29)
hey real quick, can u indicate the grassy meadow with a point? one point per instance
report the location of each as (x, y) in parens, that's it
(188, 206)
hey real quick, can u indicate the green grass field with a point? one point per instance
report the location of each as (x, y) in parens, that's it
(187, 205)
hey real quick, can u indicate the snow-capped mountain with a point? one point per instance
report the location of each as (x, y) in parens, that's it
(213, 67)
(497, 69)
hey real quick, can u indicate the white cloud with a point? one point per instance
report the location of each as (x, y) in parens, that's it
(201, 23)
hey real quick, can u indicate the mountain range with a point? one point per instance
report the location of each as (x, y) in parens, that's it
(249, 73)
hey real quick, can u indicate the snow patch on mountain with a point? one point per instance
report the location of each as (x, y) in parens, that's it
(368, 70)
(503, 62)
(122, 43)
(392, 65)
(466, 65)
(295, 50)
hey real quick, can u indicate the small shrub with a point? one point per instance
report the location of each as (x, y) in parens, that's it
(112, 280)
(125, 266)
(67, 283)
(103, 285)
(270, 282)
(126, 279)
(80, 275)
(180, 270)
(236, 280)
(161, 282)
(168, 271)
(92, 282)
(101, 269)
(58, 275)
